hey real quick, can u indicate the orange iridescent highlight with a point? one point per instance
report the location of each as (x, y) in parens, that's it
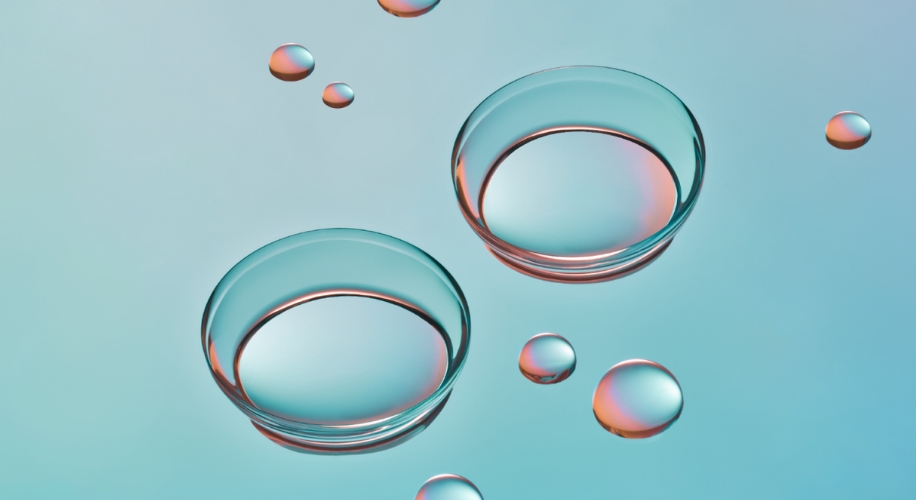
(291, 62)
(337, 95)
(408, 8)
(848, 130)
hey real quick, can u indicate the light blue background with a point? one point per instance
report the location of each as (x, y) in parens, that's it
(145, 149)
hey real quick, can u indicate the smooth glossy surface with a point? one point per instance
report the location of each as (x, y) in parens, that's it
(291, 62)
(637, 399)
(408, 8)
(547, 358)
(848, 130)
(578, 174)
(448, 487)
(338, 340)
(337, 95)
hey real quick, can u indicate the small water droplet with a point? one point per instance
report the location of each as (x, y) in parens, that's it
(291, 62)
(637, 399)
(337, 95)
(448, 487)
(848, 130)
(547, 358)
(408, 8)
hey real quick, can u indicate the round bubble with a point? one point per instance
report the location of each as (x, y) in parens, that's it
(848, 130)
(637, 399)
(337, 340)
(578, 174)
(448, 487)
(547, 358)
(291, 62)
(408, 8)
(337, 95)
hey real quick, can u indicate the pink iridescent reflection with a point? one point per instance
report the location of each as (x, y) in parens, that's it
(291, 62)
(547, 358)
(448, 487)
(848, 130)
(637, 399)
(408, 8)
(337, 95)
(579, 193)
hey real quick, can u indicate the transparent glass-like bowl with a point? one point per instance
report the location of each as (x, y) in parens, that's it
(578, 98)
(330, 263)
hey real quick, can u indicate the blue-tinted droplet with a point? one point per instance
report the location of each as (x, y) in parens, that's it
(337, 95)
(848, 130)
(547, 358)
(408, 8)
(448, 487)
(637, 399)
(291, 62)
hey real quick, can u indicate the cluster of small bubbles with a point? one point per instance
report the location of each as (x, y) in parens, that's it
(291, 62)
(448, 487)
(637, 399)
(337, 95)
(408, 8)
(848, 130)
(547, 358)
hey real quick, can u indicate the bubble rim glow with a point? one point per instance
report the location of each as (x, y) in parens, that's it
(841, 120)
(404, 14)
(421, 494)
(579, 269)
(361, 437)
(637, 434)
(343, 100)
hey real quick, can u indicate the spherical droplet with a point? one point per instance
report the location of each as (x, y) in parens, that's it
(291, 62)
(848, 130)
(337, 95)
(448, 487)
(637, 399)
(547, 358)
(408, 8)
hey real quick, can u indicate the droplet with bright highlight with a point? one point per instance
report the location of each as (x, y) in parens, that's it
(448, 487)
(408, 8)
(547, 358)
(291, 62)
(337, 95)
(637, 399)
(848, 130)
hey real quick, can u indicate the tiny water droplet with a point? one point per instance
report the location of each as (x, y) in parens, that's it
(291, 62)
(337, 95)
(547, 358)
(408, 8)
(848, 130)
(637, 399)
(448, 487)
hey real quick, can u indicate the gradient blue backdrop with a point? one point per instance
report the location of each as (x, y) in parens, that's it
(145, 149)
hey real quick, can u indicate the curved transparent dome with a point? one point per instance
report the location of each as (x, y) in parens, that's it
(578, 174)
(337, 340)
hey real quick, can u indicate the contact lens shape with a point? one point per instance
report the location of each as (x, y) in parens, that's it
(291, 62)
(637, 399)
(337, 95)
(408, 8)
(848, 130)
(547, 358)
(337, 340)
(448, 487)
(578, 174)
